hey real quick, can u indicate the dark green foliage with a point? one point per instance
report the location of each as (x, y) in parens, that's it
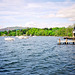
(0, 33)
(45, 28)
(40, 32)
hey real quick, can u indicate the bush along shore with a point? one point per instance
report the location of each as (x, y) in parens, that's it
(39, 32)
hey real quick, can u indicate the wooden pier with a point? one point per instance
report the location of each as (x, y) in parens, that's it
(72, 38)
(66, 42)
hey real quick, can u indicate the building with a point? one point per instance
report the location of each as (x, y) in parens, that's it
(74, 32)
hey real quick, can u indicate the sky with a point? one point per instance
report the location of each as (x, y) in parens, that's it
(37, 13)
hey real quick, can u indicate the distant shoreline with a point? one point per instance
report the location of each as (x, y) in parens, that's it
(39, 32)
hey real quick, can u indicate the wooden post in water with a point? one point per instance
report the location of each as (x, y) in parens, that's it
(59, 41)
(66, 41)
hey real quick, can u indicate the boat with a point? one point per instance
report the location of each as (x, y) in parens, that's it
(22, 37)
(34, 36)
(9, 38)
(26, 37)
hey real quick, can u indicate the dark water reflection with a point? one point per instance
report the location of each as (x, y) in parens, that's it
(36, 56)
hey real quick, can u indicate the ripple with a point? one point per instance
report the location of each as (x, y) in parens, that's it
(11, 63)
(4, 70)
(29, 49)
(36, 56)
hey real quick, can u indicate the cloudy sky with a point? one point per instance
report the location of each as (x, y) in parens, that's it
(37, 13)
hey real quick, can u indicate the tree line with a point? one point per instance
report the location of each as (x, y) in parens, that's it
(40, 32)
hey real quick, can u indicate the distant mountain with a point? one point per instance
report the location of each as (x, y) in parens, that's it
(12, 28)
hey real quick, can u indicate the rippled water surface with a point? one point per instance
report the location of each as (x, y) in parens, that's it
(36, 56)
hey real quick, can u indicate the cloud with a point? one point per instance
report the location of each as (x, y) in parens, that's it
(49, 16)
(36, 24)
(1, 26)
(46, 25)
(23, 11)
(72, 19)
(31, 24)
(59, 24)
(68, 12)
(9, 13)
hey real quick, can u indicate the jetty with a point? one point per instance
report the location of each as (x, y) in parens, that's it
(73, 38)
(69, 40)
(66, 42)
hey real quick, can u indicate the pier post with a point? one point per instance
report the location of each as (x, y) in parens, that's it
(66, 41)
(59, 41)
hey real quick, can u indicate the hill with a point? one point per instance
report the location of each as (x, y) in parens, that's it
(12, 28)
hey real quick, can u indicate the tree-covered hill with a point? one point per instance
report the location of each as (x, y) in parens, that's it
(39, 32)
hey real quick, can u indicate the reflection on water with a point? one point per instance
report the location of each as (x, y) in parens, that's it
(36, 56)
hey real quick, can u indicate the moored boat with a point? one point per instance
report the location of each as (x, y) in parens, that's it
(9, 38)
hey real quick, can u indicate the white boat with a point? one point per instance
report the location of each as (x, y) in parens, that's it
(26, 37)
(9, 38)
(22, 37)
(34, 36)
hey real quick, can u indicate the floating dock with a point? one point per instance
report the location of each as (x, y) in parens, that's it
(66, 42)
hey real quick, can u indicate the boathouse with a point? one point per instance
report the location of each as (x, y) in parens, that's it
(74, 32)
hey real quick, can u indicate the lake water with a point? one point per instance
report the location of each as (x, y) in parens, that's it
(39, 55)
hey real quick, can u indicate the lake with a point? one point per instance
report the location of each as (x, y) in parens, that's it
(39, 55)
